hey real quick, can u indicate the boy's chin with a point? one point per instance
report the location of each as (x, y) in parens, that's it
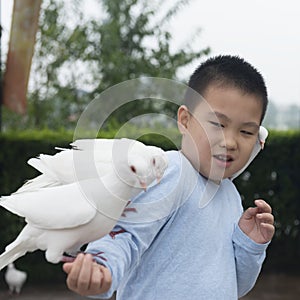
(218, 177)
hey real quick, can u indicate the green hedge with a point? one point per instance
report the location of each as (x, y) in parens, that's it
(273, 176)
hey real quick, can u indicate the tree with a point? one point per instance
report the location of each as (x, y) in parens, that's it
(78, 57)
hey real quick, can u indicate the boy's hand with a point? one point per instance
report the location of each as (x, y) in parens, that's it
(257, 222)
(86, 277)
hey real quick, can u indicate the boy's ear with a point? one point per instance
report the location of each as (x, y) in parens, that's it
(183, 117)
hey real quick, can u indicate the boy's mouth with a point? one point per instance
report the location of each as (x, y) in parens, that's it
(223, 159)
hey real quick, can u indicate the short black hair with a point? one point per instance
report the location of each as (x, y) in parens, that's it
(226, 70)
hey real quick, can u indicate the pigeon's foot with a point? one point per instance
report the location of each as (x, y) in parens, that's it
(69, 258)
(114, 233)
(66, 258)
(130, 209)
(98, 255)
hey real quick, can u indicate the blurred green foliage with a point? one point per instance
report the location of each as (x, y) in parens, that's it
(273, 176)
(78, 56)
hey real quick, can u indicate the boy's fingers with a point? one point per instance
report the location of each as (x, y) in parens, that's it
(84, 277)
(67, 267)
(96, 278)
(263, 206)
(266, 218)
(106, 281)
(74, 272)
(250, 212)
(269, 230)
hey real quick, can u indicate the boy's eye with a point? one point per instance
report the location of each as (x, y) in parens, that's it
(217, 124)
(247, 132)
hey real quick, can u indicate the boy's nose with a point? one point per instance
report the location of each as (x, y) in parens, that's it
(228, 141)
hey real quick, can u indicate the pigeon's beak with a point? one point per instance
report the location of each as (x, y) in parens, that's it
(143, 185)
(158, 179)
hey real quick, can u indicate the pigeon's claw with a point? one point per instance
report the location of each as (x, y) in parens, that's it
(131, 209)
(114, 233)
(98, 254)
(66, 259)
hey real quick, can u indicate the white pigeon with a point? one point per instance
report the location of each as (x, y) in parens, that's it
(86, 158)
(14, 278)
(65, 208)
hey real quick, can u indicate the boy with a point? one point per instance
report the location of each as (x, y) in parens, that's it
(211, 252)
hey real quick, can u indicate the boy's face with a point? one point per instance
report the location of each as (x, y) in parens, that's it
(219, 136)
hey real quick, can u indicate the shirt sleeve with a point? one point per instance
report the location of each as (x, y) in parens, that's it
(249, 257)
(121, 251)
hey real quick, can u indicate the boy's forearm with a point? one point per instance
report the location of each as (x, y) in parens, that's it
(120, 253)
(249, 258)
(109, 254)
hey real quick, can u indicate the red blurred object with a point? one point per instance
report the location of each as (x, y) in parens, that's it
(21, 47)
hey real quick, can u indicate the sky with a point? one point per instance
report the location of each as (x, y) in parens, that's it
(266, 33)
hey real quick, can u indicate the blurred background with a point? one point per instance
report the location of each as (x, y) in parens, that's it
(57, 56)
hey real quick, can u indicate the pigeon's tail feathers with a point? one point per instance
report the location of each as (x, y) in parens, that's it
(41, 181)
(12, 253)
(41, 164)
(58, 167)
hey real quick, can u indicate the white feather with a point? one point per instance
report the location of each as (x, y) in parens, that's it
(71, 204)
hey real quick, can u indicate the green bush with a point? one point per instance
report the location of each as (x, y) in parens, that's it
(274, 176)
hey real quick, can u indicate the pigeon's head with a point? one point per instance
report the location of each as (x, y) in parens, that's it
(159, 163)
(137, 164)
(136, 171)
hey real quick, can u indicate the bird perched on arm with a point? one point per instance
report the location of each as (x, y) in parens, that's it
(14, 278)
(80, 195)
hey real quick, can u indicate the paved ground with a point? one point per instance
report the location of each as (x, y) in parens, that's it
(43, 293)
(276, 287)
(269, 287)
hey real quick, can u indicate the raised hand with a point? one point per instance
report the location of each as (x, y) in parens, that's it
(258, 222)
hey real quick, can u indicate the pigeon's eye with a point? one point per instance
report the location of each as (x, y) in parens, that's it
(153, 161)
(133, 169)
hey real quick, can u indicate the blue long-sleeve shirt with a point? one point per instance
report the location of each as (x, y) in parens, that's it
(175, 248)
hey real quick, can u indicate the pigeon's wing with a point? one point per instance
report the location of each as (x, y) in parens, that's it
(56, 170)
(70, 165)
(59, 167)
(104, 149)
(57, 207)
(39, 182)
(96, 155)
(101, 155)
(95, 145)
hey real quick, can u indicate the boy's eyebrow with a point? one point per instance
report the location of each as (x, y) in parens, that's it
(224, 117)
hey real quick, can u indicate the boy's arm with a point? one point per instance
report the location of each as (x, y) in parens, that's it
(121, 250)
(251, 238)
(100, 272)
